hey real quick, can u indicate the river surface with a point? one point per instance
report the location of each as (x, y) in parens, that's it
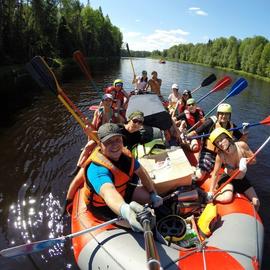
(42, 146)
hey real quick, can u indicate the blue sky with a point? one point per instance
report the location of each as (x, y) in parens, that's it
(160, 24)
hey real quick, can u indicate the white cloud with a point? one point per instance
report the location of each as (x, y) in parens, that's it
(194, 8)
(138, 20)
(158, 40)
(197, 11)
(201, 13)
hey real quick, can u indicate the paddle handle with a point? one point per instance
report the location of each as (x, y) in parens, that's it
(196, 89)
(99, 226)
(238, 171)
(134, 74)
(203, 97)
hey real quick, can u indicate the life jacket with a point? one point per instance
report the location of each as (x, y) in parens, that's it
(120, 179)
(208, 145)
(208, 216)
(98, 120)
(191, 121)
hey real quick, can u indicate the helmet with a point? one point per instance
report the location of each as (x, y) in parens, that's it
(217, 132)
(175, 86)
(110, 89)
(224, 108)
(118, 81)
(191, 101)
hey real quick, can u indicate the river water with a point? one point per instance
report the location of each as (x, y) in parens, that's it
(42, 146)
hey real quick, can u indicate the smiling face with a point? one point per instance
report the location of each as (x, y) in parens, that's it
(222, 142)
(223, 118)
(112, 148)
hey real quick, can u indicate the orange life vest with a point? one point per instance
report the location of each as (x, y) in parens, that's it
(120, 179)
(208, 145)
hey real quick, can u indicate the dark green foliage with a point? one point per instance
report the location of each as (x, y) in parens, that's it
(54, 29)
(251, 55)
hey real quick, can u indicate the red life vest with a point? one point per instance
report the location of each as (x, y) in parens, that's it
(191, 121)
(120, 179)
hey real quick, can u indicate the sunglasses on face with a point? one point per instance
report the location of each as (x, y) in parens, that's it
(137, 121)
(119, 84)
(192, 104)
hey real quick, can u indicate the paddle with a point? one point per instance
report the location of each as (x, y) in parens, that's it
(130, 60)
(207, 81)
(220, 85)
(81, 61)
(41, 245)
(237, 88)
(238, 171)
(44, 76)
(265, 121)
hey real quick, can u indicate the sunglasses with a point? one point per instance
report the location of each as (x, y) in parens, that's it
(136, 121)
(119, 84)
(192, 104)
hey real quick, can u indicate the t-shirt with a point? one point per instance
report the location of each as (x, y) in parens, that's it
(97, 175)
(131, 139)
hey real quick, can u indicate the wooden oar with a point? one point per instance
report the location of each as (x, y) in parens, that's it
(237, 88)
(130, 60)
(81, 61)
(265, 121)
(41, 72)
(238, 171)
(44, 244)
(207, 81)
(220, 85)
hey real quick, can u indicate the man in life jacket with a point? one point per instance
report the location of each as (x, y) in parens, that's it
(187, 119)
(209, 151)
(110, 186)
(233, 156)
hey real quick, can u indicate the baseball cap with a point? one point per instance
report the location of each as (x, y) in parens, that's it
(175, 86)
(108, 130)
(136, 115)
(106, 96)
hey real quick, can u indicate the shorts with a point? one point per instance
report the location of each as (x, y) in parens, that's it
(207, 161)
(239, 185)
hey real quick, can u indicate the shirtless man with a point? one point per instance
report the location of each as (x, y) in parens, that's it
(234, 156)
(154, 83)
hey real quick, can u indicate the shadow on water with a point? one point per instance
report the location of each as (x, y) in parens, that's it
(41, 147)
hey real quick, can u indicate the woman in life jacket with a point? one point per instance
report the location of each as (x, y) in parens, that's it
(121, 98)
(140, 82)
(110, 185)
(187, 119)
(233, 156)
(105, 113)
(182, 102)
(208, 151)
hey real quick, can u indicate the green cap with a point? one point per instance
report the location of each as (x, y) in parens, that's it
(136, 115)
(108, 130)
(191, 101)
